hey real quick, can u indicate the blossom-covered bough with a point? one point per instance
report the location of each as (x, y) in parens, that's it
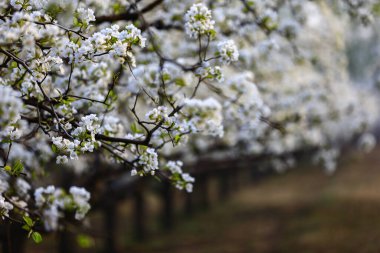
(138, 86)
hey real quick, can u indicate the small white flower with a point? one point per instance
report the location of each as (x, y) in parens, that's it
(68, 126)
(228, 51)
(73, 155)
(62, 159)
(189, 187)
(86, 15)
(5, 207)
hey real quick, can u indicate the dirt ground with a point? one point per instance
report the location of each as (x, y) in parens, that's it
(303, 210)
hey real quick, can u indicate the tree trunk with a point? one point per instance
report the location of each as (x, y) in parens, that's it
(110, 217)
(167, 216)
(139, 213)
(65, 242)
(12, 238)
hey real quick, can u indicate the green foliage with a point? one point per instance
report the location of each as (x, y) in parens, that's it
(85, 241)
(177, 138)
(135, 129)
(166, 76)
(16, 169)
(54, 149)
(376, 9)
(53, 9)
(28, 221)
(37, 237)
(28, 226)
(180, 82)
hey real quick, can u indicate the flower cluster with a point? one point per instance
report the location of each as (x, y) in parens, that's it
(150, 77)
(328, 158)
(362, 9)
(80, 198)
(367, 142)
(199, 21)
(45, 65)
(5, 207)
(205, 116)
(246, 101)
(269, 19)
(53, 201)
(180, 179)
(110, 41)
(158, 114)
(23, 188)
(111, 126)
(84, 140)
(228, 51)
(148, 161)
(210, 72)
(11, 107)
(85, 16)
(65, 146)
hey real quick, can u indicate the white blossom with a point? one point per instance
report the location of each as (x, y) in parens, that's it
(228, 51)
(199, 21)
(5, 207)
(149, 161)
(80, 198)
(86, 15)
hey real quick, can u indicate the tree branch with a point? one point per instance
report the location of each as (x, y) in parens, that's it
(127, 16)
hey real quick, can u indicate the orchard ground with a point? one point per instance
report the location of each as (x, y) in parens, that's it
(303, 210)
(300, 211)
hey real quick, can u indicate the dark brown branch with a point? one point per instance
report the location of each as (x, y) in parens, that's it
(127, 16)
(16, 59)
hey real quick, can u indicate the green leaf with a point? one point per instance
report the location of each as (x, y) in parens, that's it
(37, 238)
(70, 100)
(8, 168)
(113, 95)
(85, 241)
(13, 64)
(17, 168)
(177, 138)
(54, 149)
(116, 8)
(376, 9)
(166, 77)
(212, 33)
(113, 40)
(134, 128)
(53, 9)
(76, 21)
(180, 82)
(143, 148)
(28, 221)
(26, 227)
